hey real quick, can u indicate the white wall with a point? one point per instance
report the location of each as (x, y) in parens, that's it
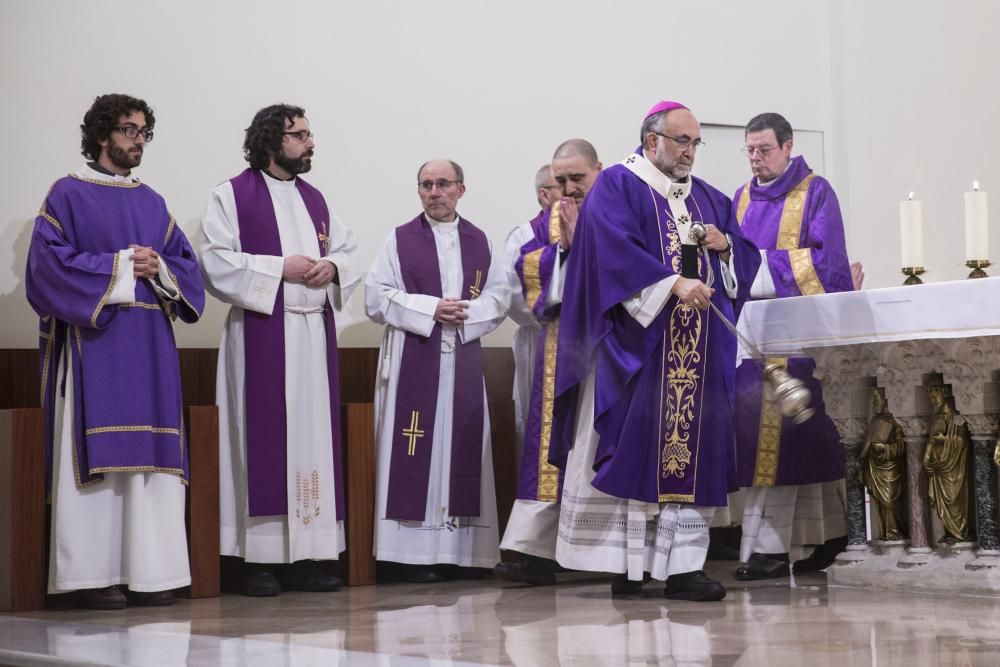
(916, 104)
(386, 85)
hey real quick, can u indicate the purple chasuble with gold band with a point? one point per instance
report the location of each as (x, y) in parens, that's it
(663, 394)
(796, 219)
(539, 479)
(419, 374)
(264, 343)
(128, 412)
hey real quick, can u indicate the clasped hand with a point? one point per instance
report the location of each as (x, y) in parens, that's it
(451, 311)
(308, 271)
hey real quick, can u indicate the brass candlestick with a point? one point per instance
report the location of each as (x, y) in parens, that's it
(913, 272)
(977, 266)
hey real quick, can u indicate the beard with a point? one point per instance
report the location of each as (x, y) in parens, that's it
(125, 159)
(294, 165)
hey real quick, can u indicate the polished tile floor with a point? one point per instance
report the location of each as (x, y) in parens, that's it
(495, 623)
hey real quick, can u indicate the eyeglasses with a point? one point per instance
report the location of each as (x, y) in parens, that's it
(131, 132)
(550, 187)
(441, 184)
(762, 151)
(301, 135)
(683, 143)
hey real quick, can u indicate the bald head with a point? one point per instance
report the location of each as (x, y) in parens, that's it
(574, 147)
(458, 174)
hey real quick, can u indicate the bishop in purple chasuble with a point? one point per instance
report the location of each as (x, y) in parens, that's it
(417, 394)
(126, 379)
(664, 393)
(264, 336)
(539, 479)
(796, 220)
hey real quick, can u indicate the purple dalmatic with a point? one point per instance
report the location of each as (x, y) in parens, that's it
(796, 219)
(663, 393)
(126, 379)
(539, 479)
(419, 372)
(264, 336)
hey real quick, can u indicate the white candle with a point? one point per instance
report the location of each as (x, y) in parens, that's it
(977, 243)
(911, 232)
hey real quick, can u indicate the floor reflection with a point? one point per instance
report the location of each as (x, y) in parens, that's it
(494, 623)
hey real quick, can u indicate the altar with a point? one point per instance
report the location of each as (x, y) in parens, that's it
(899, 339)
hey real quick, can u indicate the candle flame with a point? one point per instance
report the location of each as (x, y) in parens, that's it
(975, 186)
(910, 198)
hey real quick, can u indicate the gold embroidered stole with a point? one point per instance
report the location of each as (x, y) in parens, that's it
(800, 259)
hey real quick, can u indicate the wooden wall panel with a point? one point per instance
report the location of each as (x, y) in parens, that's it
(202, 507)
(23, 565)
(359, 465)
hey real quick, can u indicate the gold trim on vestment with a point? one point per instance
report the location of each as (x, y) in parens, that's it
(113, 184)
(180, 294)
(170, 228)
(769, 434)
(531, 271)
(555, 231)
(140, 304)
(79, 340)
(53, 221)
(548, 474)
(50, 337)
(805, 274)
(107, 294)
(133, 428)
(744, 203)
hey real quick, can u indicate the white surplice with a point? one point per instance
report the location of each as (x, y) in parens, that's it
(440, 537)
(100, 534)
(251, 282)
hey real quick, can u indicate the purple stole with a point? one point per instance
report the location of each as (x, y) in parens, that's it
(539, 479)
(417, 393)
(264, 340)
(682, 382)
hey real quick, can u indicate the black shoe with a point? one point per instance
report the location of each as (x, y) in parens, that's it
(763, 566)
(529, 570)
(461, 572)
(822, 556)
(418, 574)
(694, 586)
(151, 599)
(624, 588)
(305, 575)
(105, 598)
(256, 581)
(724, 543)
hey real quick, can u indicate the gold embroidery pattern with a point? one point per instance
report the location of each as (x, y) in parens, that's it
(683, 382)
(306, 495)
(46, 216)
(475, 287)
(743, 205)
(133, 428)
(555, 231)
(140, 304)
(531, 268)
(113, 184)
(790, 226)
(805, 273)
(170, 228)
(79, 340)
(107, 294)
(180, 294)
(413, 432)
(769, 435)
(548, 474)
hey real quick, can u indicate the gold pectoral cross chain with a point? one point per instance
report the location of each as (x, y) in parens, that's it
(413, 432)
(476, 287)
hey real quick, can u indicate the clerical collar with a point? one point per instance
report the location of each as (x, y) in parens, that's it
(92, 171)
(656, 179)
(764, 184)
(276, 178)
(434, 222)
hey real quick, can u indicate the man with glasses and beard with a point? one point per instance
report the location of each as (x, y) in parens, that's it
(439, 287)
(272, 249)
(108, 269)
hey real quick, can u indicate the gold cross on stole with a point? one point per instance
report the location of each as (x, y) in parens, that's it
(323, 239)
(476, 287)
(413, 432)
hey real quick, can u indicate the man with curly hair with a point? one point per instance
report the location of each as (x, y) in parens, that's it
(108, 270)
(272, 249)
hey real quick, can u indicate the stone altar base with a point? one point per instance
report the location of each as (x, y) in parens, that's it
(956, 569)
